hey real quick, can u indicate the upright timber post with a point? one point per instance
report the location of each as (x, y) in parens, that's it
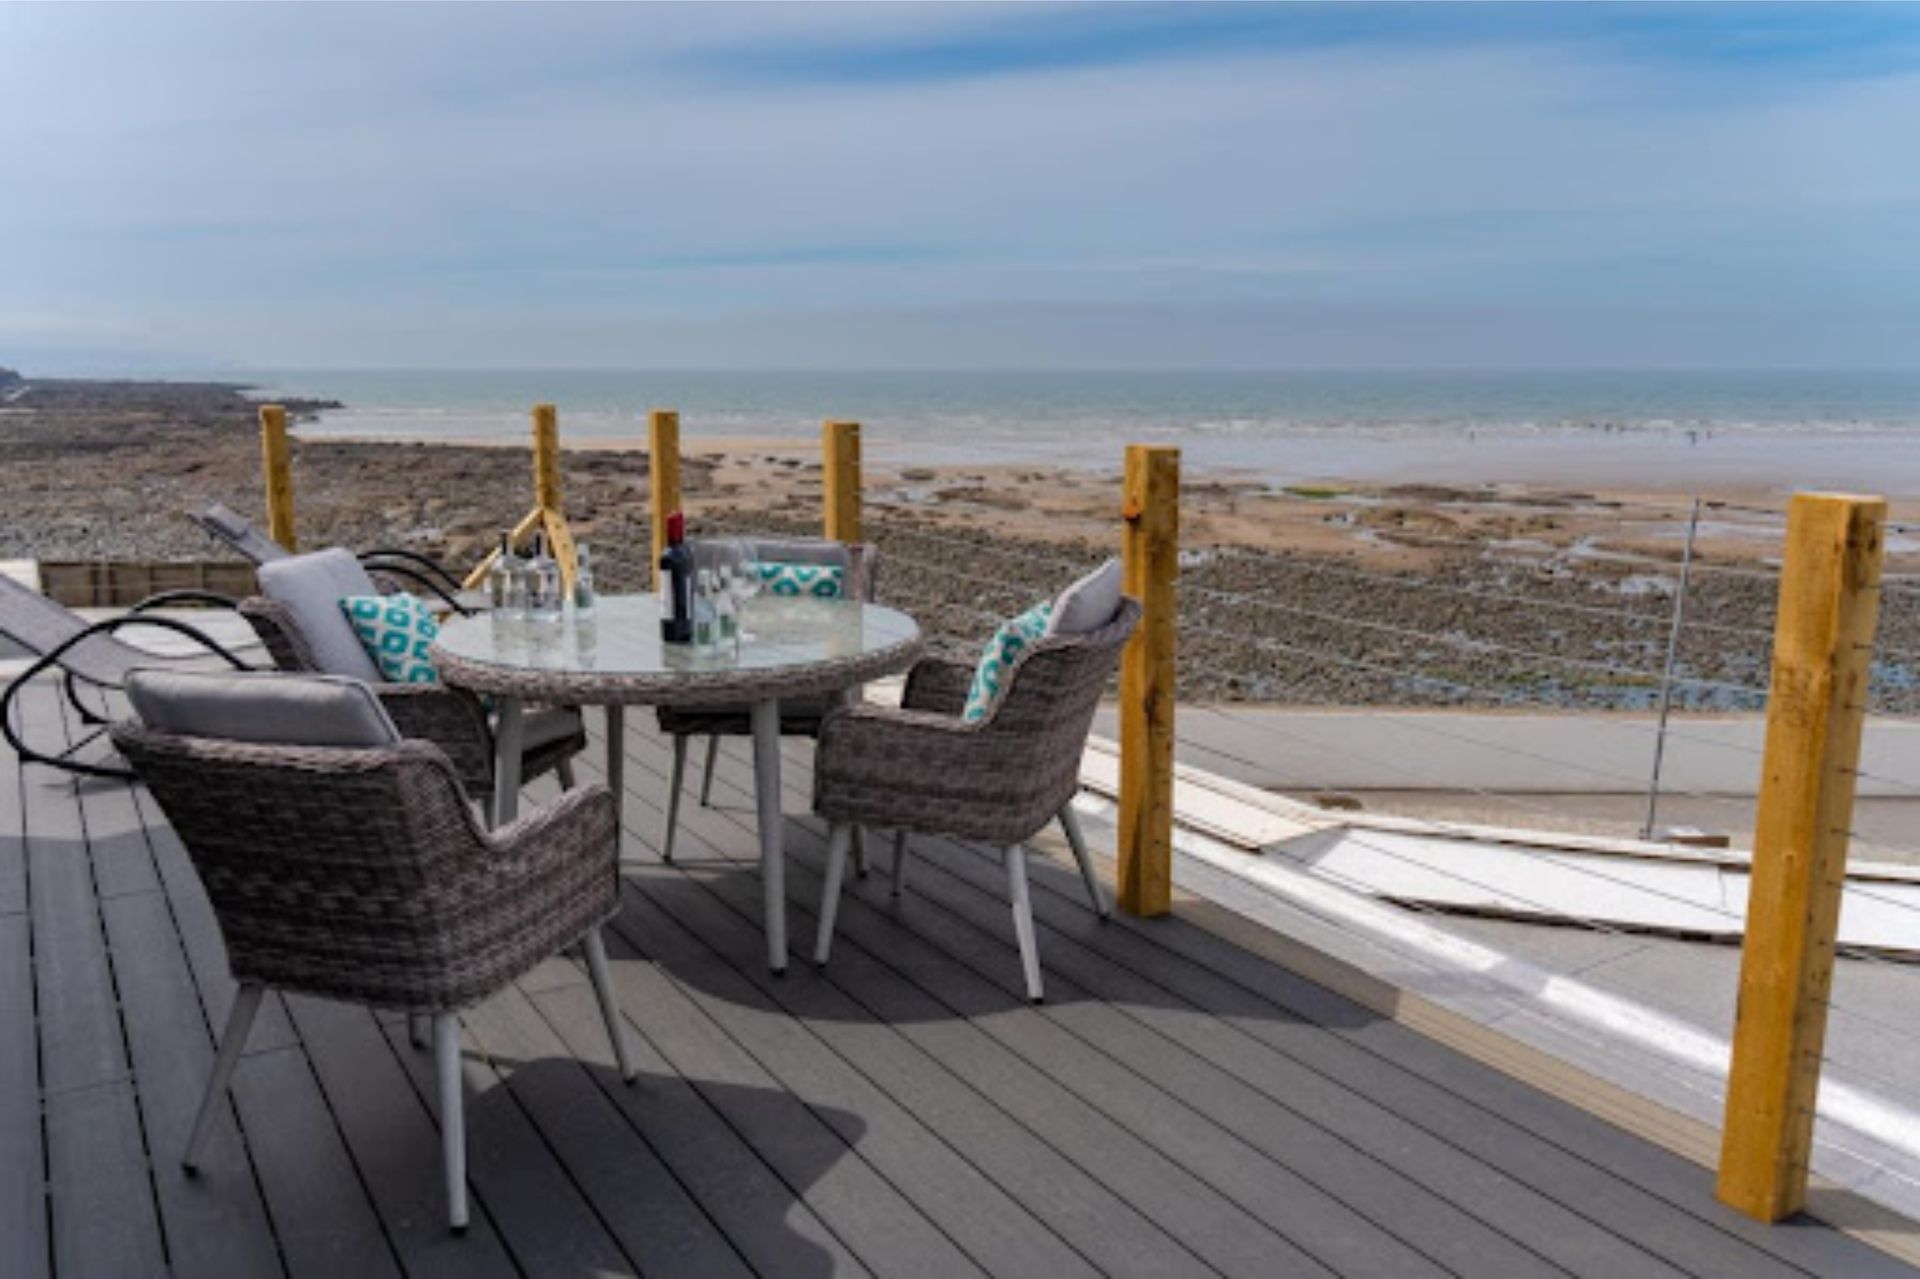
(549, 512)
(1822, 645)
(663, 472)
(840, 481)
(1151, 547)
(548, 499)
(277, 465)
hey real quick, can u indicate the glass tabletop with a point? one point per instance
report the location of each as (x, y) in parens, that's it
(620, 641)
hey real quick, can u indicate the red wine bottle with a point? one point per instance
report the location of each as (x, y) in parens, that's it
(676, 584)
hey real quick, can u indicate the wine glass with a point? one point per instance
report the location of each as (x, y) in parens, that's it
(745, 583)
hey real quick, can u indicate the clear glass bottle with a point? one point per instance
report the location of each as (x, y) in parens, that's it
(544, 596)
(506, 583)
(583, 596)
(726, 613)
(703, 611)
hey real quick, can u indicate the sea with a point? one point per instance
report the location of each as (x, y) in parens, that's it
(1635, 429)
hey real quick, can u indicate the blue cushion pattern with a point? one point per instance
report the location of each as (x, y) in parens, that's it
(821, 581)
(1015, 635)
(396, 631)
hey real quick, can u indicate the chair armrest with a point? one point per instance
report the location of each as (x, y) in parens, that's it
(531, 889)
(431, 567)
(167, 599)
(878, 748)
(452, 719)
(404, 573)
(938, 685)
(577, 826)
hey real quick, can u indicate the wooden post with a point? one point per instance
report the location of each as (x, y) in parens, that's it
(546, 458)
(840, 480)
(277, 463)
(1151, 553)
(548, 496)
(1822, 645)
(663, 469)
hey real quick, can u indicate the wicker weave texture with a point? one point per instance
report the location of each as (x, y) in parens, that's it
(998, 780)
(362, 874)
(451, 718)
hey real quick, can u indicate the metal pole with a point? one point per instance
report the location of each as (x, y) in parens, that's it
(1666, 675)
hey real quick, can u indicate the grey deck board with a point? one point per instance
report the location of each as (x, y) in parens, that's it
(23, 1167)
(991, 1225)
(1304, 1213)
(103, 1216)
(322, 1216)
(1179, 1107)
(808, 1149)
(1624, 1184)
(1093, 1221)
(105, 1222)
(80, 1040)
(216, 1223)
(13, 849)
(1560, 1203)
(1173, 1205)
(545, 1222)
(656, 1221)
(394, 1142)
(766, 1219)
(1236, 1075)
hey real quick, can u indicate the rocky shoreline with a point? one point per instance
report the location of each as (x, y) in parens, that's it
(1395, 596)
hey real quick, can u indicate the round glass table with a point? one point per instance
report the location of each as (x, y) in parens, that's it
(614, 658)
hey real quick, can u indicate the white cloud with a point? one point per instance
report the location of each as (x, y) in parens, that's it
(224, 172)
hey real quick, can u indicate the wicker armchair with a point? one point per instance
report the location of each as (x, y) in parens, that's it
(453, 719)
(998, 780)
(861, 563)
(359, 873)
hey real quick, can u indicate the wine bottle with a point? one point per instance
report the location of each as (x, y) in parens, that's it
(676, 584)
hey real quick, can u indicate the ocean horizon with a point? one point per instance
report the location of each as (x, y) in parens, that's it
(1642, 429)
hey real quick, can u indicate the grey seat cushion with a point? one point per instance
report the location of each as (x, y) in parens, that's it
(311, 587)
(1088, 604)
(549, 724)
(264, 707)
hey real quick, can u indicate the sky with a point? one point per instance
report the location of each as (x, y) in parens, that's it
(190, 187)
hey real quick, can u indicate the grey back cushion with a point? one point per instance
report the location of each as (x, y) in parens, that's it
(788, 550)
(265, 707)
(311, 587)
(1089, 603)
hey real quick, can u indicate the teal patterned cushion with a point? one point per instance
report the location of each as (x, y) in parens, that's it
(396, 631)
(822, 581)
(996, 659)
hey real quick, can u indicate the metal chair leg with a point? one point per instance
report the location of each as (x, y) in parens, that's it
(674, 783)
(453, 1130)
(1070, 823)
(1023, 919)
(838, 838)
(246, 1002)
(860, 866)
(609, 1007)
(706, 777)
(564, 771)
(420, 1030)
(899, 862)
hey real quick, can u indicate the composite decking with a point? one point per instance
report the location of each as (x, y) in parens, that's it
(1179, 1106)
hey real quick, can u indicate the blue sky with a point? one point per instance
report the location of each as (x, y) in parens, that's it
(975, 185)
